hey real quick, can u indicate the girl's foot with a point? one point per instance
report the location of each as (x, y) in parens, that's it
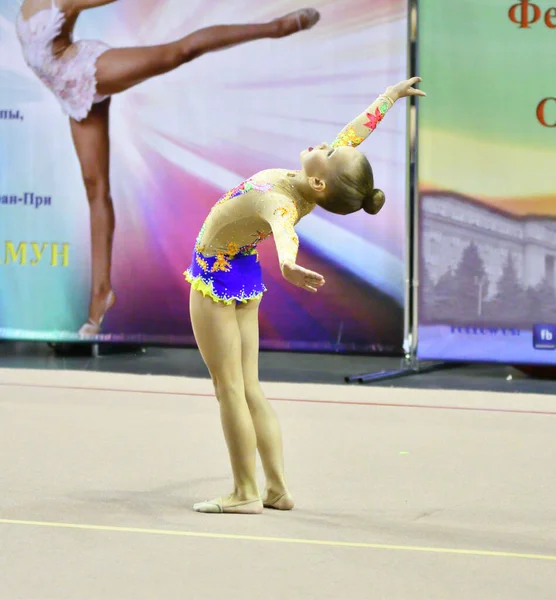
(302, 19)
(231, 506)
(100, 305)
(278, 501)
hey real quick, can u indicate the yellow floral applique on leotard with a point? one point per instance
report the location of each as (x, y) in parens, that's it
(202, 263)
(232, 250)
(347, 137)
(361, 127)
(221, 264)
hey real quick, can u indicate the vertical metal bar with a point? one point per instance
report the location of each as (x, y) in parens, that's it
(414, 12)
(411, 299)
(408, 251)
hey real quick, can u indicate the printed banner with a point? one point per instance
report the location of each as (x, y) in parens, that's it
(487, 182)
(178, 143)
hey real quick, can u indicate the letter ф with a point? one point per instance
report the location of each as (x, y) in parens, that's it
(523, 18)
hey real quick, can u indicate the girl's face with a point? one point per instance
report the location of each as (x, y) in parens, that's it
(325, 163)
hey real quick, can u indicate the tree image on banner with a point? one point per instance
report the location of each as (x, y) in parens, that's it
(510, 300)
(471, 280)
(443, 295)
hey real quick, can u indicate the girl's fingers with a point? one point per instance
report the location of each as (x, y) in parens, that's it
(312, 275)
(414, 92)
(316, 280)
(310, 280)
(314, 284)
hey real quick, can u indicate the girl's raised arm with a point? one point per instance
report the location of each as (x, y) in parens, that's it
(361, 127)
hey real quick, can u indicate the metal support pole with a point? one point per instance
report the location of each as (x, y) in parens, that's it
(409, 364)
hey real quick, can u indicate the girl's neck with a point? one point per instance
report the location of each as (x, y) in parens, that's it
(295, 185)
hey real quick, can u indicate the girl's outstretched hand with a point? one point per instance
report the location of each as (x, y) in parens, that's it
(303, 278)
(404, 89)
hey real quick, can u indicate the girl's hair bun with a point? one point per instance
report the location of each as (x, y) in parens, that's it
(374, 202)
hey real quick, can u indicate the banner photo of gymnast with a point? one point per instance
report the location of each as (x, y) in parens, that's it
(487, 151)
(122, 126)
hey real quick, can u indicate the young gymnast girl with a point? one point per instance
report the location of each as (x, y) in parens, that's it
(227, 288)
(84, 74)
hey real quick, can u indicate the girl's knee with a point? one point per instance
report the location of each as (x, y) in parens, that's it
(228, 390)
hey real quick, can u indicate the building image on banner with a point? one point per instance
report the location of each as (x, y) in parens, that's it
(181, 141)
(487, 191)
(506, 263)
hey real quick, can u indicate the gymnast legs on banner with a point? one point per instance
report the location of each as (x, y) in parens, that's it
(84, 74)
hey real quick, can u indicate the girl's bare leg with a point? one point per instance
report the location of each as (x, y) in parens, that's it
(267, 427)
(119, 69)
(217, 334)
(91, 141)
